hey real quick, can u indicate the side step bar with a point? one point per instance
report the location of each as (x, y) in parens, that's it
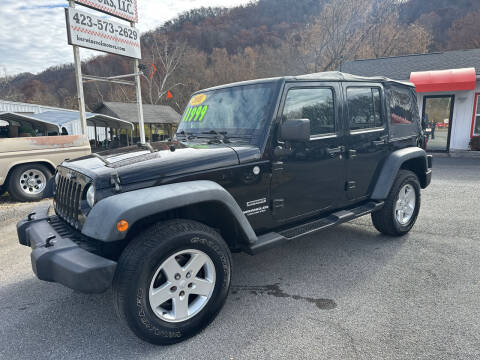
(269, 240)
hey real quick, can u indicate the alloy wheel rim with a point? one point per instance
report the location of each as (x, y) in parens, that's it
(405, 205)
(182, 285)
(32, 181)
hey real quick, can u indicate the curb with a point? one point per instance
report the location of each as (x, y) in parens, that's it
(457, 154)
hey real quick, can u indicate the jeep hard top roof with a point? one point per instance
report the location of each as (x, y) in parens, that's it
(321, 76)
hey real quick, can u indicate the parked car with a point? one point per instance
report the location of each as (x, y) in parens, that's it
(28, 158)
(254, 164)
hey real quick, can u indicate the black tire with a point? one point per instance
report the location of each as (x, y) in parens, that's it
(137, 266)
(385, 219)
(14, 188)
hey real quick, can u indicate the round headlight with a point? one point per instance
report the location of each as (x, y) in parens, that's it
(91, 196)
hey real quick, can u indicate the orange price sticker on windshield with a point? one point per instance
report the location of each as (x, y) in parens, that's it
(198, 99)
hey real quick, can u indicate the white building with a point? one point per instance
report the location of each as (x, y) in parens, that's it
(448, 88)
(25, 108)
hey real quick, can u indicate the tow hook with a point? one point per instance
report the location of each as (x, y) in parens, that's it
(49, 242)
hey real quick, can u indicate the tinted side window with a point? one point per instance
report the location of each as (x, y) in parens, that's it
(315, 104)
(364, 108)
(402, 108)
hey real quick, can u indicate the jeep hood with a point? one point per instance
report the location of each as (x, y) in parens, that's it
(134, 165)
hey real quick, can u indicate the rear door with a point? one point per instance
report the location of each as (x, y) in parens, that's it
(367, 138)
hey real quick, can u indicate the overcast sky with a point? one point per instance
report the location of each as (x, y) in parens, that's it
(33, 34)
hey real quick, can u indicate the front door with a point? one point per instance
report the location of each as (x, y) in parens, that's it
(308, 178)
(367, 137)
(437, 117)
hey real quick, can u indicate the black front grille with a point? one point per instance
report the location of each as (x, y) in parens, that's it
(68, 196)
(66, 231)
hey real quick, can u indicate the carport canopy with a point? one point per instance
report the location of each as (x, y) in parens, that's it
(444, 80)
(63, 117)
(9, 118)
(53, 121)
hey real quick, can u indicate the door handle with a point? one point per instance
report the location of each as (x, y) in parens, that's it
(352, 154)
(333, 152)
(382, 140)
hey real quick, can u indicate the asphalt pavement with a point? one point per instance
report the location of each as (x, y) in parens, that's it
(345, 293)
(439, 143)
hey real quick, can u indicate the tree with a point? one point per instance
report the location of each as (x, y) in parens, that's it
(335, 36)
(165, 58)
(465, 32)
(437, 16)
(388, 37)
(6, 90)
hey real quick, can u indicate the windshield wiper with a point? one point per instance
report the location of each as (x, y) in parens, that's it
(220, 136)
(186, 135)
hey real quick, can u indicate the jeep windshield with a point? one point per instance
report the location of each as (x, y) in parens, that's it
(234, 113)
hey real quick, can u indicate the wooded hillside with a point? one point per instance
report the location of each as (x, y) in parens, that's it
(211, 46)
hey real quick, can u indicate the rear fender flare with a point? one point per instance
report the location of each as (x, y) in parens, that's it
(391, 167)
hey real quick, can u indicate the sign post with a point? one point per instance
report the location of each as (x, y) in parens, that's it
(79, 80)
(97, 33)
(141, 125)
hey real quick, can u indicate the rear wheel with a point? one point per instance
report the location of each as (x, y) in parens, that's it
(401, 208)
(172, 280)
(28, 182)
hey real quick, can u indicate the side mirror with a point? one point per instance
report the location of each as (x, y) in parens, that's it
(295, 130)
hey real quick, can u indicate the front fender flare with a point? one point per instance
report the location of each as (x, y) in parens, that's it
(391, 167)
(138, 204)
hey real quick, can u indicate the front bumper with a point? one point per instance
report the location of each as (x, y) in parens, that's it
(59, 259)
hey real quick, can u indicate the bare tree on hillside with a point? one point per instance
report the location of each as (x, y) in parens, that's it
(387, 37)
(464, 33)
(6, 91)
(335, 36)
(164, 59)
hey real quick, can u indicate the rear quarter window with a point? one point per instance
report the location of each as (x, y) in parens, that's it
(404, 117)
(401, 107)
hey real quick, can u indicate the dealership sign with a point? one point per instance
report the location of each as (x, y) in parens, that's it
(97, 33)
(124, 9)
(100, 33)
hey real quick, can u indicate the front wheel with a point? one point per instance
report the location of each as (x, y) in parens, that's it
(172, 280)
(401, 208)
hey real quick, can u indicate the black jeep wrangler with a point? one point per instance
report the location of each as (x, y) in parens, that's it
(253, 164)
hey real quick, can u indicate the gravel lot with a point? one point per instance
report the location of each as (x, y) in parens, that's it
(11, 210)
(346, 293)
